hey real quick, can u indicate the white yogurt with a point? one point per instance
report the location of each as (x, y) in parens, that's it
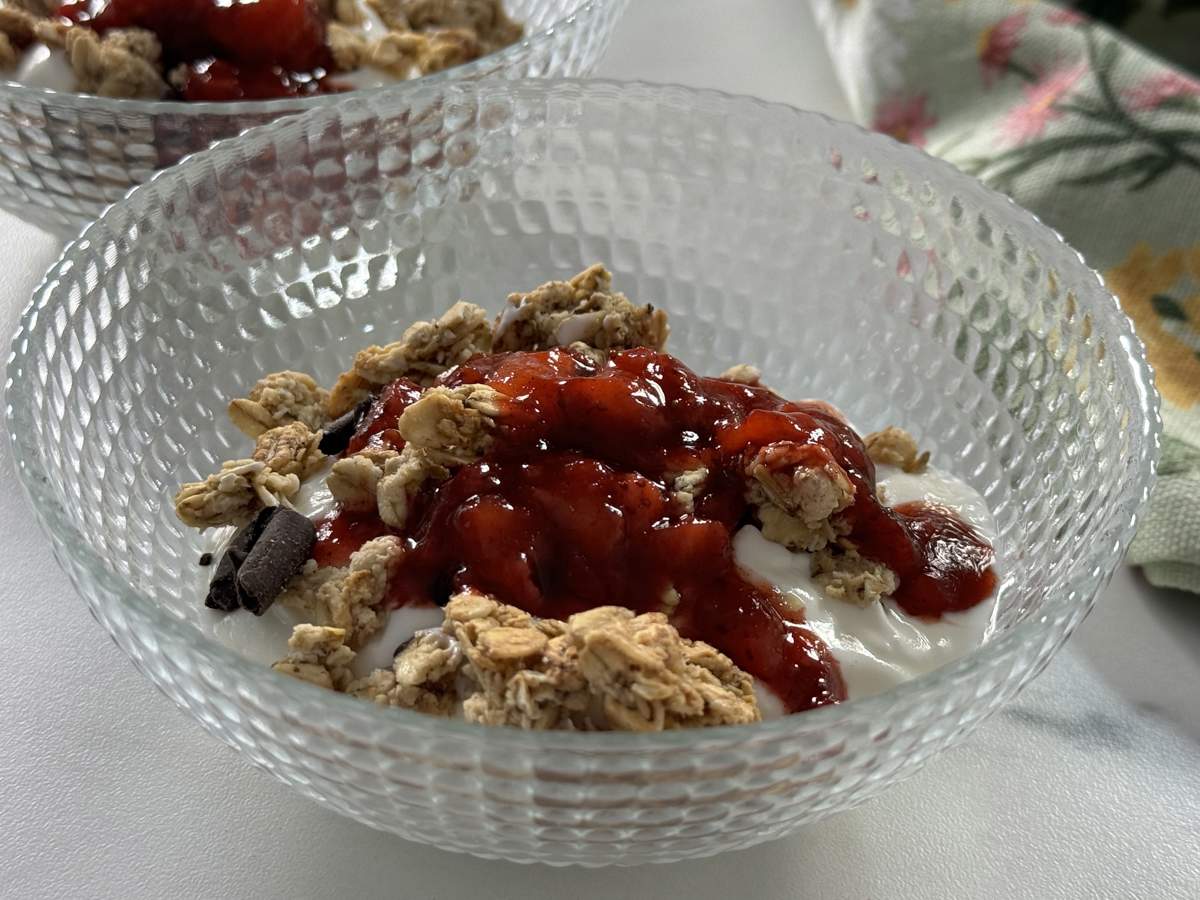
(314, 499)
(401, 624)
(43, 67)
(769, 705)
(372, 27)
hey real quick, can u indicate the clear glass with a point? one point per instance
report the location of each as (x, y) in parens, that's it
(845, 265)
(64, 157)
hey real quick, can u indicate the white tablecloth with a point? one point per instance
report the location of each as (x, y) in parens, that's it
(1087, 786)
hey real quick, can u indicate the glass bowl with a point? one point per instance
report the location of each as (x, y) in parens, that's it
(845, 265)
(64, 156)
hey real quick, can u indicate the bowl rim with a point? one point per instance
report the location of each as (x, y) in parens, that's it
(246, 677)
(281, 105)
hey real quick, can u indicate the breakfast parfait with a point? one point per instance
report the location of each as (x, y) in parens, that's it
(546, 521)
(217, 50)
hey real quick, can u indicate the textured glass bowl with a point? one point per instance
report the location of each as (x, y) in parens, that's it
(845, 265)
(64, 157)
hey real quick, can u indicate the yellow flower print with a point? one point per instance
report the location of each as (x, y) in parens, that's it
(1161, 293)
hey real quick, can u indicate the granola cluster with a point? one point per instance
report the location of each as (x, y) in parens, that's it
(424, 351)
(494, 664)
(287, 411)
(444, 429)
(418, 37)
(426, 36)
(349, 597)
(583, 310)
(599, 670)
(798, 491)
(280, 398)
(896, 447)
(318, 654)
(282, 458)
(234, 494)
(844, 574)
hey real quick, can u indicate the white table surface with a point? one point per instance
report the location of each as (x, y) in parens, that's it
(1088, 785)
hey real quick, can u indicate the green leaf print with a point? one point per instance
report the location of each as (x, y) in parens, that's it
(1168, 307)
(1136, 153)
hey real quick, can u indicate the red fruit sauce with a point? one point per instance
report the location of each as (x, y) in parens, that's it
(234, 49)
(571, 508)
(378, 426)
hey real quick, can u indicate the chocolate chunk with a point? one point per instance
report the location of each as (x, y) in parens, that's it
(222, 589)
(443, 589)
(338, 433)
(279, 553)
(206, 559)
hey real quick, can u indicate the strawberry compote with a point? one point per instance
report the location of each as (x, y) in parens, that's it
(233, 49)
(572, 508)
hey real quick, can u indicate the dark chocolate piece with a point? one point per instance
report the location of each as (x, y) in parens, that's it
(222, 589)
(206, 559)
(442, 589)
(338, 433)
(281, 550)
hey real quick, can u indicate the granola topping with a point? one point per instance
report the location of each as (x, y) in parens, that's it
(213, 50)
(403, 478)
(233, 495)
(584, 310)
(280, 399)
(895, 447)
(528, 490)
(427, 349)
(452, 425)
(742, 374)
(349, 597)
(318, 654)
(846, 575)
(290, 450)
(599, 670)
(354, 480)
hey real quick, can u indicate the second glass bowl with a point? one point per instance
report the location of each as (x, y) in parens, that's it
(64, 157)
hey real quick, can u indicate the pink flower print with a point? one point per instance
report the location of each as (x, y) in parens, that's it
(1029, 118)
(1066, 17)
(997, 43)
(905, 118)
(1152, 92)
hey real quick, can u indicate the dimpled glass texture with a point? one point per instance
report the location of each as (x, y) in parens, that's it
(64, 157)
(844, 265)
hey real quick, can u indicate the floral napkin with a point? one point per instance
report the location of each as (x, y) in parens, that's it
(1068, 111)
